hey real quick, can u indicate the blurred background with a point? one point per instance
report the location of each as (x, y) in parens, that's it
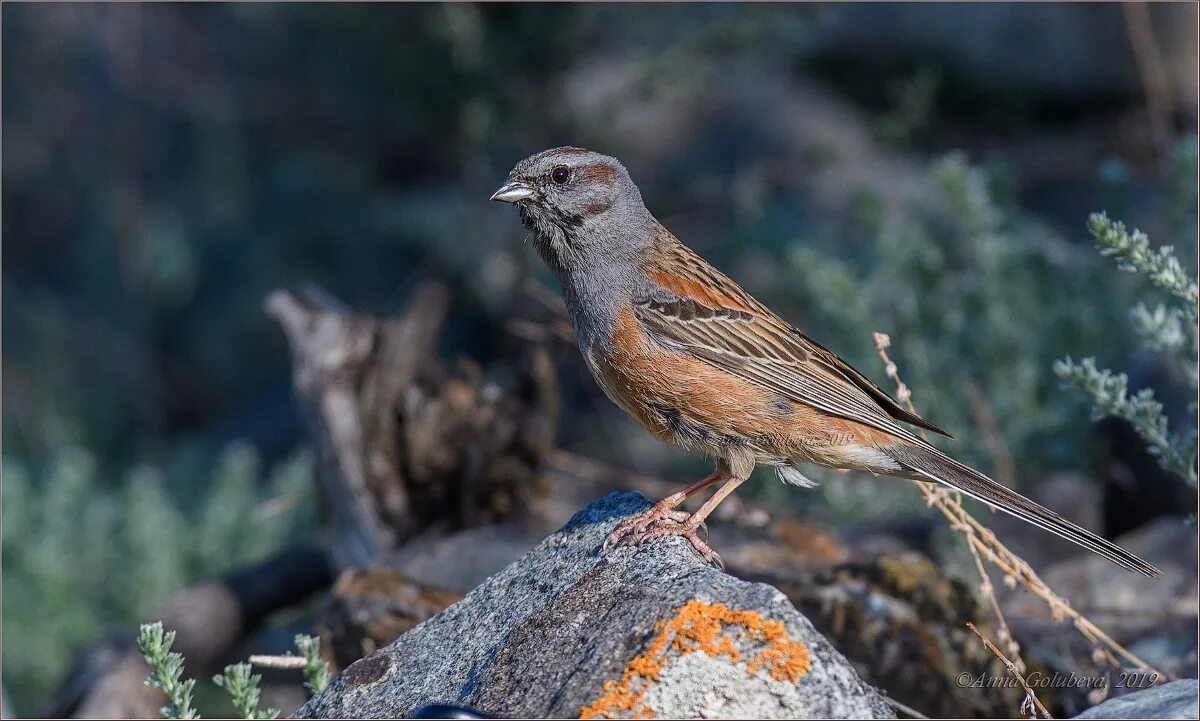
(924, 171)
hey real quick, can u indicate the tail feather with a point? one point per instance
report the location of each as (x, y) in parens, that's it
(927, 463)
(792, 475)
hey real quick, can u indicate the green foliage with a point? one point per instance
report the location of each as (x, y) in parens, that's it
(978, 298)
(316, 670)
(91, 557)
(1110, 397)
(156, 532)
(54, 558)
(242, 687)
(913, 103)
(166, 671)
(1170, 331)
(1134, 255)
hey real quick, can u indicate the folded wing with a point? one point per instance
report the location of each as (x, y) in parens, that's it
(756, 345)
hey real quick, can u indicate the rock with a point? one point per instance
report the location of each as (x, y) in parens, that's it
(572, 630)
(1155, 618)
(1128, 606)
(370, 608)
(1096, 586)
(1078, 498)
(462, 560)
(902, 623)
(1175, 700)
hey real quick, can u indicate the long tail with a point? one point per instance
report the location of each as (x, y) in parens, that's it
(927, 463)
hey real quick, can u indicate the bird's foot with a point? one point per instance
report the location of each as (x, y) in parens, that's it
(631, 531)
(659, 522)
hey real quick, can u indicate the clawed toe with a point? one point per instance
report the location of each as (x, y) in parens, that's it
(659, 523)
(632, 532)
(710, 556)
(690, 531)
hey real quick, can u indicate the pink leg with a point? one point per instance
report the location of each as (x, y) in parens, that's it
(689, 528)
(660, 514)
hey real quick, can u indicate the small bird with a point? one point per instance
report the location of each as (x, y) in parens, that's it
(701, 364)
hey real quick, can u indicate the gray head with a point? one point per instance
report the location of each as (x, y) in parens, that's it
(582, 207)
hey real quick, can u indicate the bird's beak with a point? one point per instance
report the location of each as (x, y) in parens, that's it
(513, 191)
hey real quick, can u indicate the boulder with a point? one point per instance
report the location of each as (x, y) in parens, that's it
(902, 623)
(573, 630)
(1154, 618)
(1175, 700)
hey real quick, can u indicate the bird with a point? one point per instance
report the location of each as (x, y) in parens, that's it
(702, 364)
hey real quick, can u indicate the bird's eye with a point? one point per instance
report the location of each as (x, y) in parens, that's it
(560, 174)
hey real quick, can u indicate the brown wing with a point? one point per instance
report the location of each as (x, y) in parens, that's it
(708, 315)
(834, 363)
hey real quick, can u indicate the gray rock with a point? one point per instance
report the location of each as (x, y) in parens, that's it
(570, 627)
(1157, 616)
(1175, 700)
(462, 560)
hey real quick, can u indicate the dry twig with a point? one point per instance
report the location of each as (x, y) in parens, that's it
(285, 662)
(1031, 702)
(1002, 461)
(984, 544)
(1152, 70)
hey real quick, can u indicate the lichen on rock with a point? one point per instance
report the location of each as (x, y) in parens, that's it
(572, 630)
(742, 638)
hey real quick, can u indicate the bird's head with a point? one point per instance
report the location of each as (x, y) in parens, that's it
(581, 206)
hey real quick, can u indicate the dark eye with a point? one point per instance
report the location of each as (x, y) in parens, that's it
(560, 174)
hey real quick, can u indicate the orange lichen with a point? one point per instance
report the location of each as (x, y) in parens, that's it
(701, 627)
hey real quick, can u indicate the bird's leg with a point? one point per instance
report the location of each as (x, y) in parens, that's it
(689, 528)
(662, 513)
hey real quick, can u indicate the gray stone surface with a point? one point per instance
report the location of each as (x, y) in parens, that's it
(542, 637)
(1175, 700)
(462, 560)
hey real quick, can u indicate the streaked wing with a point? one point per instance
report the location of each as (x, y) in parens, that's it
(746, 339)
(835, 364)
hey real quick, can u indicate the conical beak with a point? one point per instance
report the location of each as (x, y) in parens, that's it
(513, 191)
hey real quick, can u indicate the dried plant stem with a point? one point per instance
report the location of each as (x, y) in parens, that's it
(1152, 70)
(288, 662)
(901, 707)
(983, 544)
(1002, 629)
(1002, 461)
(1031, 699)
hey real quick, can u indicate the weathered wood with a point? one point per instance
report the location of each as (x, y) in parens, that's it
(404, 443)
(348, 370)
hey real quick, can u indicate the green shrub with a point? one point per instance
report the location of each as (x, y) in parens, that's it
(238, 680)
(166, 671)
(1170, 330)
(979, 299)
(242, 687)
(81, 558)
